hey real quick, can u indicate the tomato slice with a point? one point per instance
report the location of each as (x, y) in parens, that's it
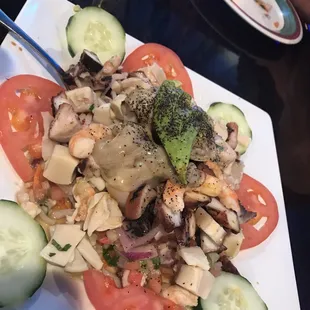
(23, 98)
(167, 59)
(254, 196)
(104, 295)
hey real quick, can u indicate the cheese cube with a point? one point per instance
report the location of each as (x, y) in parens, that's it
(60, 167)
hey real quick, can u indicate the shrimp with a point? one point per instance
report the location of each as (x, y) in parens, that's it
(212, 186)
(229, 198)
(99, 131)
(82, 143)
(215, 168)
(173, 196)
(82, 192)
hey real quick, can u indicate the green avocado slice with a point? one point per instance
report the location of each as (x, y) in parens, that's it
(175, 121)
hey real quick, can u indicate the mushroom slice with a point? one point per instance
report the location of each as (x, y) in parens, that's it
(58, 100)
(188, 229)
(170, 219)
(232, 138)
(207, 224)
(245, 215)
(194, 176)
(65, 124)
(208, 245)
(193, 200)
(225, 217)
(138, 200)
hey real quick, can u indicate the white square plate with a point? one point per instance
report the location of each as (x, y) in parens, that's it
(268, 267)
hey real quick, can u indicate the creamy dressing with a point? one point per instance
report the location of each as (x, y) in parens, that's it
(132, 159)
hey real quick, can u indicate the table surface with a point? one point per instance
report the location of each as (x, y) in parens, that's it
(213, 41)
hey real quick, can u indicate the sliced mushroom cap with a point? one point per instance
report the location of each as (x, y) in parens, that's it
(65, 124)
(232, 138)
(208, 245)
(225, 217)
(141, 102)
(168, 218)
(143, 224)
(187, 231)
(193, 200)
(245, 215)
(194, 176)
(58, 100)
(138, 200)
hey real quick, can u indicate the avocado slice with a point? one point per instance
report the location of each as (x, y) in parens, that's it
(176, 122)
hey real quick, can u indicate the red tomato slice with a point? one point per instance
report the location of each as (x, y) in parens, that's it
(167, 59)
(24, 97)
(104, 295)
(135, 277)
(254, 196)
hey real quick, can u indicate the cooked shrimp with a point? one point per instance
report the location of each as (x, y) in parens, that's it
(99, 131)
(212, 186)
(109, 67)
(82, 192)
(215, 168)
(229, 198)
(81, 144)
(173, 196)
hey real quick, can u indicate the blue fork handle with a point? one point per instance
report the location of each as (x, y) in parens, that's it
(23, 36)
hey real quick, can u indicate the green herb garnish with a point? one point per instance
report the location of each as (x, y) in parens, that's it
(156, 262)
(51, 254)
(91, 107)
(59, 247)
(143, 265)
(110, 256)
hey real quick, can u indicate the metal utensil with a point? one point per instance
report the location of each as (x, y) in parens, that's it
(36, 50)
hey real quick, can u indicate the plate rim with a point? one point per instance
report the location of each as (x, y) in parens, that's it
(290, 40)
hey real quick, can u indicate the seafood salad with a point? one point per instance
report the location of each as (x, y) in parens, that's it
(140, 193)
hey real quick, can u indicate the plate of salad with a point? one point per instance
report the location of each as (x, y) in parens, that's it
(138, 185)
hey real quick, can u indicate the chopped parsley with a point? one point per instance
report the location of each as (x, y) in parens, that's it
(110, 256)
(156, 262)
(59, 247)
(51, 254)
(143, 265)
(91, 108)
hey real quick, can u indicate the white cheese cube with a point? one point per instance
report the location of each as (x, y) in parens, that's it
(78, 263)
(64, 235)
(189, 278)
(206, 284)
(194, 256)
(233, 243)
(60, 167)
(81, 98)
(89, 254)
(207, 224)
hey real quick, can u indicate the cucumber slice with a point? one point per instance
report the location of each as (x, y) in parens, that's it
(233, 292)
(96, 30)
(230, 113)
(22, 270)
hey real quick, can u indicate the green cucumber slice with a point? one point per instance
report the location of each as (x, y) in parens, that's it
(230, 113)
(95, 30)
(233, 292)
(22, 270)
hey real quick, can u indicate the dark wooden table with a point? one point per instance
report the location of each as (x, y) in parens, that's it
(212, 40)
